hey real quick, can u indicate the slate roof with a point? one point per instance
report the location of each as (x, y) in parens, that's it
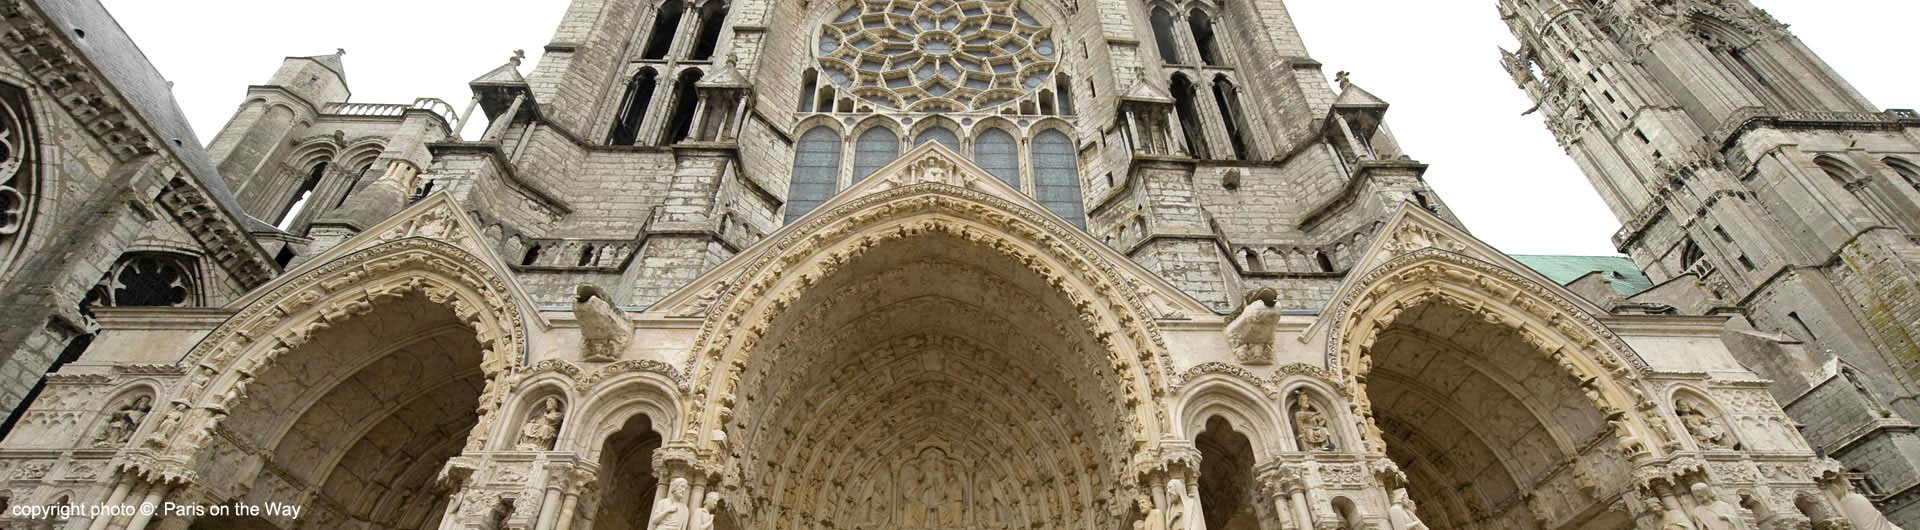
(1627, 278)
(115, 56)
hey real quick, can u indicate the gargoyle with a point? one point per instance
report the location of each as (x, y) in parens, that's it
(604, 329)
(1251, 331)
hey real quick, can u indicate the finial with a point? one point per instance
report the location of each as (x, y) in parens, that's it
(1342, 78)
(518, 55)
(733, 59)
(339, 51)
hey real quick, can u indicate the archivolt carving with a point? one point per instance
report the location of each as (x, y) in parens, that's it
(286, 317)
(556, 366)
(633, 365)
(1124, 325)
(1580, 345)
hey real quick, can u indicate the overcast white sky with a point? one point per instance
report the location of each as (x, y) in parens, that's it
(1434, 60)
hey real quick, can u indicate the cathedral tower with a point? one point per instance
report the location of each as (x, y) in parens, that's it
(1751, 178)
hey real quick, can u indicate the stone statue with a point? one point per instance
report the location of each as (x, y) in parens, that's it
(542, 427)
(1706, 430)
(604, 329)
(121, 424)
(1857, 509)
(703, 516)
(1151, 518)
(1311, 426)
(671, 513)
(1712, 513)
(1400, 515)
(1176, 505)
(1251, 332)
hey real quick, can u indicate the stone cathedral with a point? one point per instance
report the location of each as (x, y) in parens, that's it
(950, 265)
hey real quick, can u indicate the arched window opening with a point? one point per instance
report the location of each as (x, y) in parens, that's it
(1349, 514)
(299, 201)
(1056, 177)
(1063, 89)
(938, 134)
(353, 183)
(1046, 102)
(586, 256)
(1690, 254)
(1227, 499)
(1320, 258)
(1163, 37)
(823, 102)
(1183, 105)
(713, 17)
(19, 173)
(686, 98)
(666, 20)
(809, 86)
(633, 108)
(1863, 190)
(1253, 260)
(996, 151)
(876, 147)
(531, 257)
(1907, 171)
(1202, 27)
(816, 171)
(147, 279)
(1227, 97)
(627, 483)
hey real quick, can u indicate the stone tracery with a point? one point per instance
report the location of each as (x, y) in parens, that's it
(943, 55)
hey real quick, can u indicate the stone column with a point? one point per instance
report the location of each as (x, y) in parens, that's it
(461, 123)
(156, 494)
(499, 128)
(570, 500)
(557, 481)
(121, 488)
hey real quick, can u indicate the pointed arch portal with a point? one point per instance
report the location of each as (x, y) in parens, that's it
(929, 357)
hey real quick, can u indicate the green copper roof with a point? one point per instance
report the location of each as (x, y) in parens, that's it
(1627, 278)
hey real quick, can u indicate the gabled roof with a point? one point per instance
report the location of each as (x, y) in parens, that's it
(332, 61)
(1354, 97)
(1145, 89)
(1626, 278)
(930, 168)
(507, 73)
(726, 76)
(115, 57)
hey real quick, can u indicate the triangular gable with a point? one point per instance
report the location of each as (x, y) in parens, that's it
(1413, 228)
(505, 74)
(435, 217)
(1355, 97)
(928, 163)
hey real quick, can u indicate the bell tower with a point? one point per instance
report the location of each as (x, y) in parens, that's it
(1751, 179)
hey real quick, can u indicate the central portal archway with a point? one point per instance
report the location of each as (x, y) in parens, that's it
(936, 378)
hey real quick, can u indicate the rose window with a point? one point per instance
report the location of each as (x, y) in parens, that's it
(937, 55)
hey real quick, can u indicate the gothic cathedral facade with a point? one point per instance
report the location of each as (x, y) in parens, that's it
(950, 265)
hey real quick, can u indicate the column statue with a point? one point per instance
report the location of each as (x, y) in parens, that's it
(671, 513)
(1400, 515)
(1712, 513)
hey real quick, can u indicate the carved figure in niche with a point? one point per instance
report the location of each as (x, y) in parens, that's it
(1712, 513)
(1857, 509)
(1706, 430)
(604, 329)
(542, 427)
(987, 501)
(923, 492)
(1151, 518)
(121, 424)
(953, 498)
(874, 506)
(1400, 515)
(1176, 505)
(1310, 425)
(703, 516)
(670, 514)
